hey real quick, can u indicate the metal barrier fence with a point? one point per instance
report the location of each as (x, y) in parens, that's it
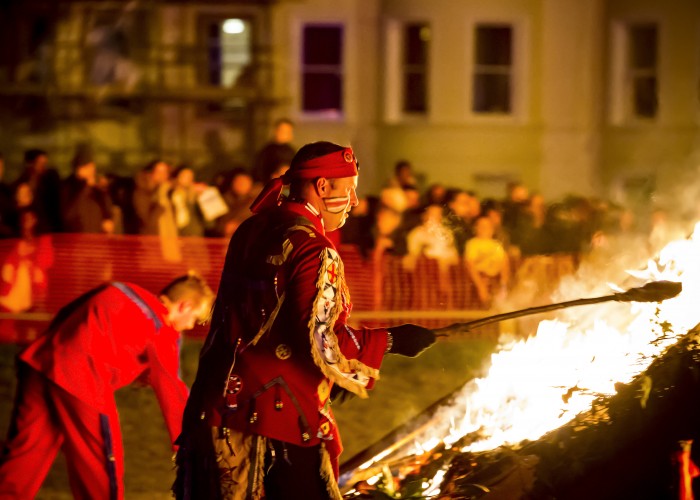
(38, 277)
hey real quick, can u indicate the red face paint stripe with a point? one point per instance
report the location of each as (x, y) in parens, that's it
(336, 204)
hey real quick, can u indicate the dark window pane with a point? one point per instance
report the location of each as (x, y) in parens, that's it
(414, 92)
(645, 102)
(643, 46)
(322, 92)
(214, 49)
(493, 45)
(417, 37)
(415, 58)
(323, 45)
(491, 93)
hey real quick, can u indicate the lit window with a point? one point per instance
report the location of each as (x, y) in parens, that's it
(322, 68)
(641, 68)
(415, 68)
(493, 69)
(229, 52)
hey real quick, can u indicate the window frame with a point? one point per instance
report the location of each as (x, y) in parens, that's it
(621, 84)
(493, 69)
(329, 115)
(203, 45)
(395, 71)
(520, 65)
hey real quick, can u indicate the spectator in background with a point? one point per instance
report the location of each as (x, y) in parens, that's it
(394, 198)
(434, 240)
(276, 154)
(358, 228)
(45, 185)
(487, 262)
(431, 239)
(23, 275)
(121, 192)
(240, 192)
(462, 209)
(514, 205)
(411, 218)
(413, 201)
(154, 209)
(569, 226)
(151, 200)
(616, 241)
(493, 209)
(85, 206)
(436, 194)
(404, 177)
(403, 203)
(529, 233)
(384, 230)
(517, 195)
(188, 218)
(23, 202)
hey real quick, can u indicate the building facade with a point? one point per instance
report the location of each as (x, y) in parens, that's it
(597, 97)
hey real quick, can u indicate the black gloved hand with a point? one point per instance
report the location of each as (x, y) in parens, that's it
(410, 340)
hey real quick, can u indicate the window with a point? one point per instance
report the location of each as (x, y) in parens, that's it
(229, 52)
(641, 68)
(493, 69)
(416, 44)
(322, 68)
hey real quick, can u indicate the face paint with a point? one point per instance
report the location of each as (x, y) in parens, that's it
(341, 198)
(337, 204)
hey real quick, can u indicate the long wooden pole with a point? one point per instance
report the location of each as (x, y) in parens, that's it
(654, 291)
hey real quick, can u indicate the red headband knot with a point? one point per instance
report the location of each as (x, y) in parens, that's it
(331, 166)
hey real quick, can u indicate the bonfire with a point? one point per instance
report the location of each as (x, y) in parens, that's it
(594, 405)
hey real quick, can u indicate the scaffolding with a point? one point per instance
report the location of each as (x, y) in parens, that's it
(137, 80)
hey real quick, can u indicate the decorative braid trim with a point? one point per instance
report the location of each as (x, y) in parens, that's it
(270, 320)
(343, 370)
(327, 474)
(257, 483)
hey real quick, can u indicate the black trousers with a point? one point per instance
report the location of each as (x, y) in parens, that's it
(294, 472)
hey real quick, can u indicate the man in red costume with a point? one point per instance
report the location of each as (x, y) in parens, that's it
(103, 340)
(258, 422)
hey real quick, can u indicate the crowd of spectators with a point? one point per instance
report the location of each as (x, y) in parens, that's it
(452, 225)
(159, 200)
(499, 241)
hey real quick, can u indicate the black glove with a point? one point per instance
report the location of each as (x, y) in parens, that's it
(410, 340)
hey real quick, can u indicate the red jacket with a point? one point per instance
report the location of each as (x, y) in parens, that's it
(105, 340)
(279, 334)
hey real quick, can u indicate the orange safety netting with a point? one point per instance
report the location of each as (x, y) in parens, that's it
(38, 277)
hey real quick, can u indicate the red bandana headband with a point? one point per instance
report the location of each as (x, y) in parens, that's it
(331, 166)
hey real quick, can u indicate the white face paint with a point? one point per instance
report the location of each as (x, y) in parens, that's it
(340, 200)
(336, 205)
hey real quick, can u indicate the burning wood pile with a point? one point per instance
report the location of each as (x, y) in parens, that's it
(621, 448)
(585, 409)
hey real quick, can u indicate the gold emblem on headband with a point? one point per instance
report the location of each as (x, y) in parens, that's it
(348, 156)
